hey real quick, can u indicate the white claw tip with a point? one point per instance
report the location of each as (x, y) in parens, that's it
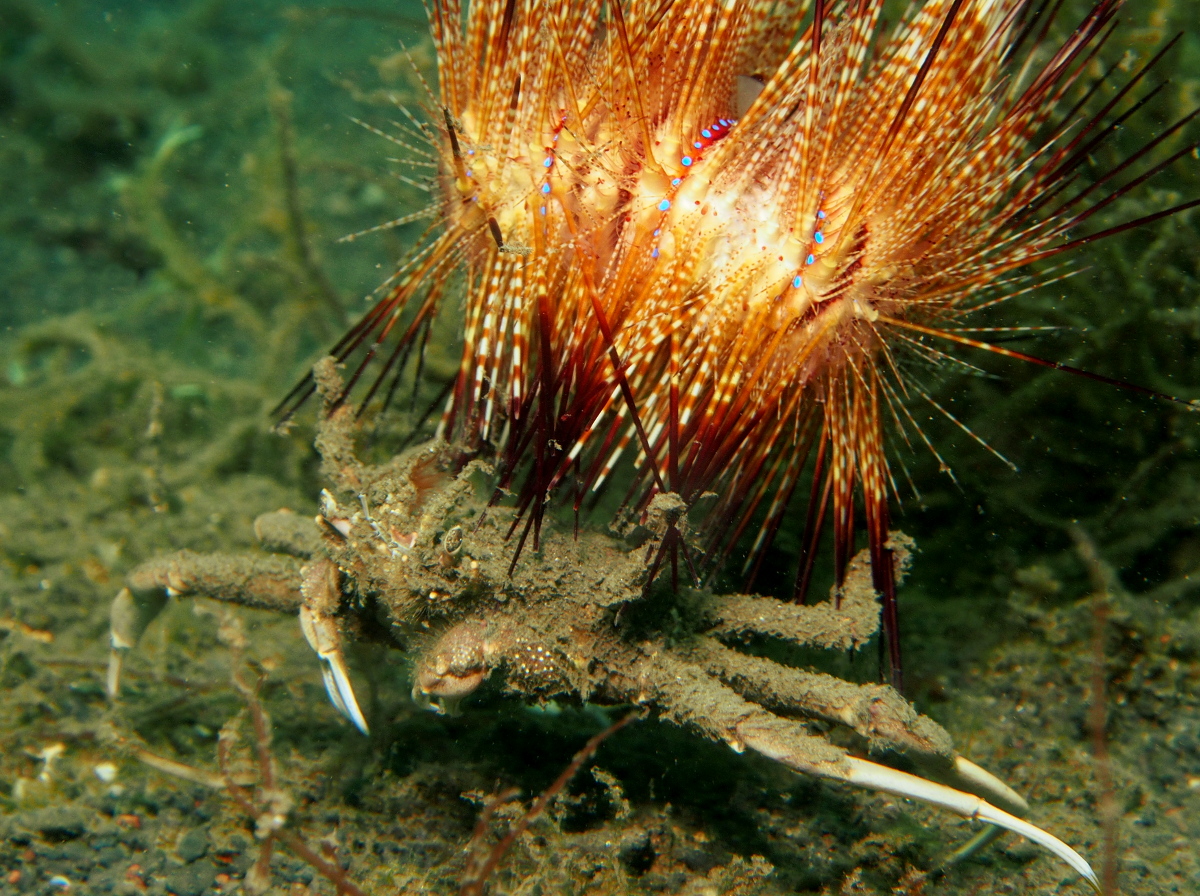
(889, 780)
(322, 635)
(340, 691)
(1048, 841)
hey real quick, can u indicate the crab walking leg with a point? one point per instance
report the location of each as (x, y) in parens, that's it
(846, 621)
(876, 712)
(694, 699)
(979, 842)
(130, 615)
(776, 739)
(319, 624)
(874, 776)
(884, 719)
(271, 583)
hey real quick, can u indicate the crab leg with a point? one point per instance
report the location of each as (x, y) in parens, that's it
(271, 583)
(847, 621)
(876, 712)
(884, 719)
(873, 776)
(694, 699)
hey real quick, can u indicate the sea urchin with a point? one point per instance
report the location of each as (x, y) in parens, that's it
(710, 234)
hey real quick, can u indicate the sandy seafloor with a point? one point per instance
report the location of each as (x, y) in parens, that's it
(173, 181)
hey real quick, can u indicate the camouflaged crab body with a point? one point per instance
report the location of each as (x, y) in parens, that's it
(421, 555)
(411, 546)
(410, 553)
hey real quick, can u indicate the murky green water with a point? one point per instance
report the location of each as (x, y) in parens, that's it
(175, 178)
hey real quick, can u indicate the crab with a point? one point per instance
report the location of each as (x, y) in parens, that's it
(411, 552)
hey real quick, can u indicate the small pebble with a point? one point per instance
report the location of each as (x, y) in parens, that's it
(193, 845)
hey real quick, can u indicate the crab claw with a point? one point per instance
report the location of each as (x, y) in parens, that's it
(319, 588)
(267, 582)
(322, 635)
(454, 667)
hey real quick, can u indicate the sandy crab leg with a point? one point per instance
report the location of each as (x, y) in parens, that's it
(874, 776)
(787, 747)
(884, 719)
(271, 583)
(677, 684)
(129, 617)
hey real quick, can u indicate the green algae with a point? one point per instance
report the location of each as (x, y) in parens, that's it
(175, 182)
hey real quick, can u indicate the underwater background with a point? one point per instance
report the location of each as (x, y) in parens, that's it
(174, 181)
